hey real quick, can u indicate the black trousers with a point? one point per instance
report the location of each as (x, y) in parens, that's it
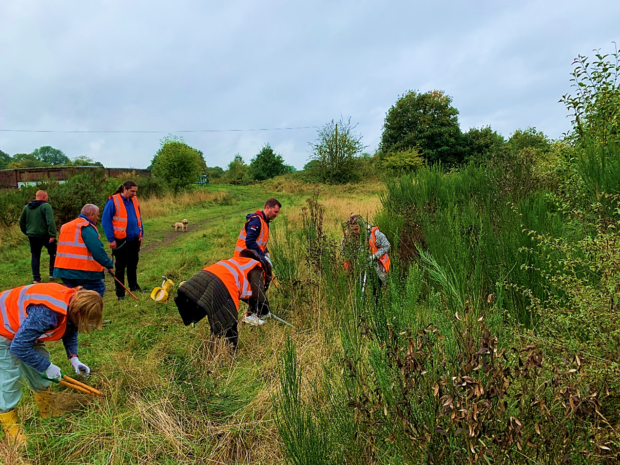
(36, 244)
(127, 254)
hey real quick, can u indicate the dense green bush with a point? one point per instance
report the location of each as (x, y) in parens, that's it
(68, 198)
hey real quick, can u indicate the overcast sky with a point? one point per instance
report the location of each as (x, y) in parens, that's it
(151, 65)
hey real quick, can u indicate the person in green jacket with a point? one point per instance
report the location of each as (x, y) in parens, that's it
(37, 222)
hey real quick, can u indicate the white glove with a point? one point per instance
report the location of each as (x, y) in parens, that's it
(80, 367)
(269, 260)
(53, 372)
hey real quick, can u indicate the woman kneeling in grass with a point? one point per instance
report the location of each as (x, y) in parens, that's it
(29, 316)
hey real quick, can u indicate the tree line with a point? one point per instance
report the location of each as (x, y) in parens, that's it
(41, 158)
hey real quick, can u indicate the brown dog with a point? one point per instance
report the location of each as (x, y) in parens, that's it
(182, 226)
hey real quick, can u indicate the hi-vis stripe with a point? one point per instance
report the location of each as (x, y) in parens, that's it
(117, 208)
(76, 243)
(261, 240)
(76, 240)
(23, 301)
(238, 272)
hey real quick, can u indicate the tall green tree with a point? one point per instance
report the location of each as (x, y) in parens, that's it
(479, 144)
(238, 171)
(267, 164)
(335, 150)
(529, 138)
(51, 156)
(5, 159)
(426, 122)
(26, 160)
(177, 164)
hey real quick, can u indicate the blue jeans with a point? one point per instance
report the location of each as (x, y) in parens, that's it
(97, 285)
(12, 372)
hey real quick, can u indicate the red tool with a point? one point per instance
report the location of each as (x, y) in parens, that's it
(118, 281)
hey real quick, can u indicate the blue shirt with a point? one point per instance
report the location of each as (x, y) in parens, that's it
(252, 231)
(39, 320)
(95, 247)
(133, 230)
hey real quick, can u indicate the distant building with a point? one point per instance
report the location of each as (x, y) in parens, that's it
(12, 179)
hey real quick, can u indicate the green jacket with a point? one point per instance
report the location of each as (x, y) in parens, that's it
(37, 220)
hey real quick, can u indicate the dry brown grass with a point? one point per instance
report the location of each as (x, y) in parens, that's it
(169, 204)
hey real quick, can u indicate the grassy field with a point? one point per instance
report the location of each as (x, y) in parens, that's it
(172, 394)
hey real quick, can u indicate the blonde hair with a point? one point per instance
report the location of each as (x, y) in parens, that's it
(86, 310)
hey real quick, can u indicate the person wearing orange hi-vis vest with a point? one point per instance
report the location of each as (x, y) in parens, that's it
(30, 316)
(254, 234)
(217, 290)
(122, 225)
(81, 259)
(378, 245)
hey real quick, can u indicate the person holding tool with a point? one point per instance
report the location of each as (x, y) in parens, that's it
(254, 236)
(216, 290)
(122, 225)
(81, 259)
(377, 242)
(30, 316)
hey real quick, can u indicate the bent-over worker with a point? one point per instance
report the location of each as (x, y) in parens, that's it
(377, 242)
(216, 291)
(30, 316)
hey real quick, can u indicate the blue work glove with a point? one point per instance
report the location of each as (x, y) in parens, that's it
(80, 367)
(53, 372)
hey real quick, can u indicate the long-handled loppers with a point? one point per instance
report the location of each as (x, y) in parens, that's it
(118, 281)
(74, 384)
(277, 318)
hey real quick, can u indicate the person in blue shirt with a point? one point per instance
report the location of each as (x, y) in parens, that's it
(81, 258)
(122, 226)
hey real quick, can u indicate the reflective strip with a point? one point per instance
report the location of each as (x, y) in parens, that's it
(233, 271)
(20, 303)
(5, 318)
(239, 248)
(118, 218)
(47, 298)
(73, 244)
(72, 255)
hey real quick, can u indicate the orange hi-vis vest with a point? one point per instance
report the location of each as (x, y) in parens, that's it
(119, 220)
(72, 253)
(372, 241)
(13, 304)
(234, 274)
(262, 239)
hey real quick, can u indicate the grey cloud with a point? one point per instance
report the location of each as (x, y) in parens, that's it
(154, 65)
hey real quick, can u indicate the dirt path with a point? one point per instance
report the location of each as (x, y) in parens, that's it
(176, 235)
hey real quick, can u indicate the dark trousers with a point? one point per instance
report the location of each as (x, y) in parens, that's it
(97, 285)
(126, 256)
(36, 244)
(232, 336)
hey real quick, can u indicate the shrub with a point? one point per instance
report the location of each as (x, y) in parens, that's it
(405, 161)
